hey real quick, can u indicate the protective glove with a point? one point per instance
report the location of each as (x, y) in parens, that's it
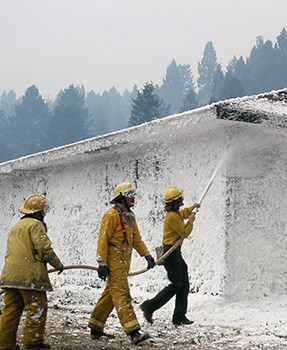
(61, 269)
(150, 261)
(103, 272)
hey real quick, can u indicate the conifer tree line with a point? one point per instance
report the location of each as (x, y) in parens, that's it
(30, 124)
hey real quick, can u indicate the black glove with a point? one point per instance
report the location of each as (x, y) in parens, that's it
(103, 272)
(150, 261)
(61, 269)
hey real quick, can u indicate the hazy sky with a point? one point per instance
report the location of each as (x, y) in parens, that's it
(105, 43)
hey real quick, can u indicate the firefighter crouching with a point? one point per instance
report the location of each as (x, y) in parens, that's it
(118, 234)
(25, 277)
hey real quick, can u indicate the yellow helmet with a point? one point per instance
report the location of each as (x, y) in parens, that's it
(172, 194)
(33, 204)
(123, 189)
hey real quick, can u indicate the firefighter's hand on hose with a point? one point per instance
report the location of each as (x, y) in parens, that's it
(195, 207)
(103, 272)
(61, 269)
(192, 217)
(150, 261)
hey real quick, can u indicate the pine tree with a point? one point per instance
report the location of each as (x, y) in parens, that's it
(117, 111)
(178, 83)
(30, 123)
(281, 53)
(4, 138)
(98, 123)
(189, 102)
(146, 106)
(217, 85)
(231, 87)
(262, 65)
(206, 70)
(239, 69)
(68, 123)
(8, 102)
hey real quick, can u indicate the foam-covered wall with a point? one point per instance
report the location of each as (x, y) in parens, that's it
(236, 217)
(256, 220)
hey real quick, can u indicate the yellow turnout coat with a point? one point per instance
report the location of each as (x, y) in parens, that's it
(28, 251)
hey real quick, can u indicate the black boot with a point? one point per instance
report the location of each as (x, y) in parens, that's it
(96, 334)
(42, 346)
(137, 337)
(182, 321)
(147, 312)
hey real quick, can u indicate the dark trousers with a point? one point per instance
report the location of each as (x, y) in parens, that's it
(177, 273)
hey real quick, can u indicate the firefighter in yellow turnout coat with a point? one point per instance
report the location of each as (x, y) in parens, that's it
(25, 277)
(119, 234)
(177, 270)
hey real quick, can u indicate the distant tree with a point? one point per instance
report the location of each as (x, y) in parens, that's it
(115, 107)
(5, 153)
(231, 87)
(127, 100)
(134, 92)
(8, 102)
(262, 67)
(68, 123)
(97, 123)
(178, 83)
(239, 69)
(206, 70)
(281, 53)
(189, 102)
(216, 86)
(109, 111)
(28, 127)
(146, 106)
(2, 116)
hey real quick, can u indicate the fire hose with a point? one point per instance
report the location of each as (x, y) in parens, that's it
(166, 254)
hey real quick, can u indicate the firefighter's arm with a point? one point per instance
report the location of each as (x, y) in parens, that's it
(142, 249)
(107, 227)
(186, 212)
(138, 243)
(43, 246)
(177, 224)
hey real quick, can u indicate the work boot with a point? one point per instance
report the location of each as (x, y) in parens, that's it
(147, 312)
(96, 334)
(137, 337)
(42, 346)
(183, 321)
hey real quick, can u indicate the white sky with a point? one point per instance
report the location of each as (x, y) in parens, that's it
(100, 44)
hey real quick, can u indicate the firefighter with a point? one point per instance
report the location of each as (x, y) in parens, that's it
(25, 277)
(118, 235)
(174, 228)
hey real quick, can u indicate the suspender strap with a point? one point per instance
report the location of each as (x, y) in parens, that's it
(124, 230)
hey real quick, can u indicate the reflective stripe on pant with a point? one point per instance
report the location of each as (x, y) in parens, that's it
(116, 294)
(35, 304)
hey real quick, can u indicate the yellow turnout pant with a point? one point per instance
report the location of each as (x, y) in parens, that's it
(15, 301)
(116, 294)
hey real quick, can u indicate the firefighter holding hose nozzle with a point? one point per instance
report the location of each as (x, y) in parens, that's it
(178, 224)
